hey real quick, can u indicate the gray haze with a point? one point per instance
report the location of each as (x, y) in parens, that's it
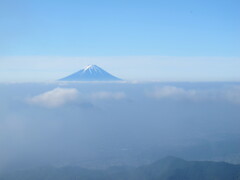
(105, 124)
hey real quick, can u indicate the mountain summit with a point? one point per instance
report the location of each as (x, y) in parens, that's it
(91, 73)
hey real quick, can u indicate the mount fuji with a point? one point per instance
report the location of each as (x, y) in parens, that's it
(91, 73)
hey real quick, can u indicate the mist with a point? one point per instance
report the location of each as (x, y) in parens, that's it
(98, 125)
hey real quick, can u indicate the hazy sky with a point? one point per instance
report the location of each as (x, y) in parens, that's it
(120, 34)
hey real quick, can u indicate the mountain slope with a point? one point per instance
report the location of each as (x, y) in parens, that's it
(172, 168)
(166, 169)
(91, 73)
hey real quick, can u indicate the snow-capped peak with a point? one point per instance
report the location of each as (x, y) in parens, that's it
(91, 73)
(92, 66)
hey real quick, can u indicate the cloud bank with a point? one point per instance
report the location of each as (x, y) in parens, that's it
(61, 96)
(55, 98)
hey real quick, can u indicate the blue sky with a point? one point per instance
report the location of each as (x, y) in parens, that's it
(83, 29)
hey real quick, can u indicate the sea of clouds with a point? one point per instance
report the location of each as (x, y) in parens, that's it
(104, 124)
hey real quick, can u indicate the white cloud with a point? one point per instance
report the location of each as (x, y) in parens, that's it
(172, 92)
(55, 98)
(230, 94)
(108, 95)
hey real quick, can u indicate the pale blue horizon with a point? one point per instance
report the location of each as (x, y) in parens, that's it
(135, 40)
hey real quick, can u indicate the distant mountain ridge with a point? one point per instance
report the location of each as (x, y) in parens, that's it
(91, 73)
(169, 168)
